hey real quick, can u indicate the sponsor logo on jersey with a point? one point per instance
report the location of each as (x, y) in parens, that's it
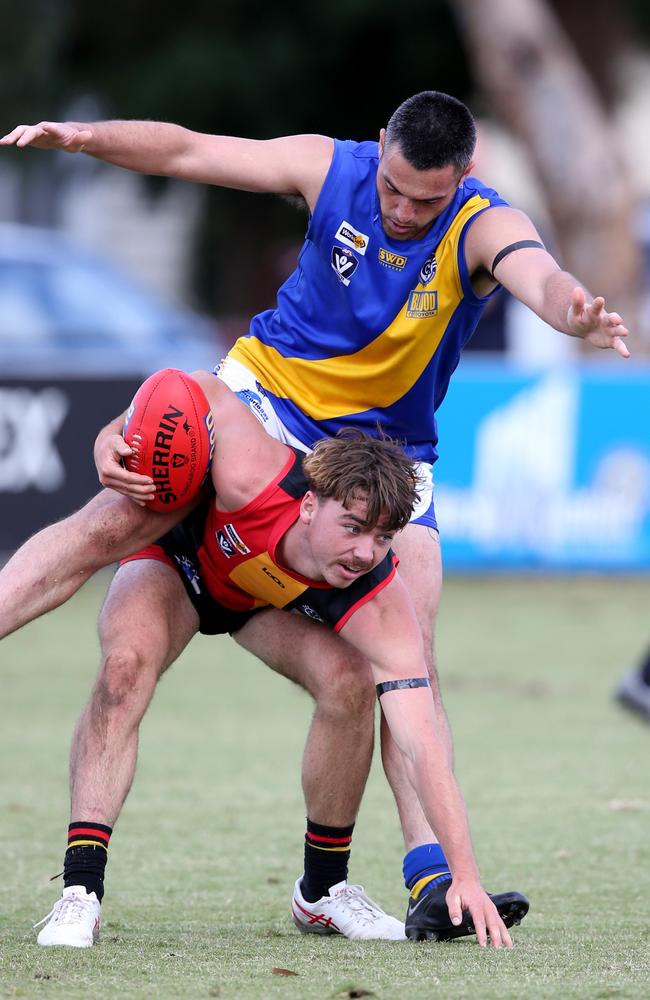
(422, 304)
(273, 577)
(235, 540)
(344, 263)
(428, 269)
(189, 570)
(225, 544)
(395, 261)
(209, 426)
(310, 612)
(254, 403)
(352, 237)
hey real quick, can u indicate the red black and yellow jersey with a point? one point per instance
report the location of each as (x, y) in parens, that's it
(229, 564)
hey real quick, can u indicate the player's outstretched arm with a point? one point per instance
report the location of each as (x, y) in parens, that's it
(385, 630)
(288, 165)
(532, 275)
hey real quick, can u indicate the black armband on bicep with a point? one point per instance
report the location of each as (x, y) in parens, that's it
(521, 245)
(402, 683)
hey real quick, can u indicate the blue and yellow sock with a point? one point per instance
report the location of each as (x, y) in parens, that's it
(425, 868)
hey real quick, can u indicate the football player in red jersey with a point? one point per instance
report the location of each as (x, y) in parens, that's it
(311, 535)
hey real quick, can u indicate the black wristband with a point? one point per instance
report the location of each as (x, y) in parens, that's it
(402, 683)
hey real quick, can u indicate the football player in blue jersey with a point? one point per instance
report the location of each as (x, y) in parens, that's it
(403, 249)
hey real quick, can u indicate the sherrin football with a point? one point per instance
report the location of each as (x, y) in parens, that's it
(170, 428)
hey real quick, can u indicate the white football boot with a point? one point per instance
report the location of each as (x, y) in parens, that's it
(73, 921)
(345, 910)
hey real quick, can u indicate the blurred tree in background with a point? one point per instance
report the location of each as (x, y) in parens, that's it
(259, 69)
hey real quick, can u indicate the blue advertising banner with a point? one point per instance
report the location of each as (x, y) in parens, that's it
(547, 470)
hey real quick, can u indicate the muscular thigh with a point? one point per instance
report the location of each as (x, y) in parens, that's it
(420, 566)
(147, 608)
(306, 652)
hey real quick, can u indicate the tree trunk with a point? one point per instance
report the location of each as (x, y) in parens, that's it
(535, 82)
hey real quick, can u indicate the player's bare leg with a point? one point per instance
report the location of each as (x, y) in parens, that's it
(52, 565)
(145, 623)
(339, 746)
(335, 768)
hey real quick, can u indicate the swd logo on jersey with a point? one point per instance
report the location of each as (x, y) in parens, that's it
(395, 261)
(352, 237)
(428, 269)
(422, 304)
(344, 263)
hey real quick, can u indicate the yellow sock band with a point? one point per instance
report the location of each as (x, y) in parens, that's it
(420, 884)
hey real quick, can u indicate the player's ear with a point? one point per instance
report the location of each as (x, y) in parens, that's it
(467, 171)
(307, 507)
(382, 140)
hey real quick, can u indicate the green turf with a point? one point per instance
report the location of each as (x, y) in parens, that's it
(208, 847)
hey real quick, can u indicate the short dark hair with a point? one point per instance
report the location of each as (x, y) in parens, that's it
(433, 130)
(355, 466)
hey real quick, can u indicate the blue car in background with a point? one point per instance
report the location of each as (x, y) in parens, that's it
(77, 337)
(66, 311)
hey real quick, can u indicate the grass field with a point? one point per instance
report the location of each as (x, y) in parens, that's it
(205, 855)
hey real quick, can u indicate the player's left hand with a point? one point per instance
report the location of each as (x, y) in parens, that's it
(468, 894)
(110, 450)
(593, 323)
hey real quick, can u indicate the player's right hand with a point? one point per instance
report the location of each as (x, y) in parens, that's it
(71, 137)
(468, 894)
(110, 450)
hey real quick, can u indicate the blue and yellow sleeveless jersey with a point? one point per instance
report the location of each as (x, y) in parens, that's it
(368, 330)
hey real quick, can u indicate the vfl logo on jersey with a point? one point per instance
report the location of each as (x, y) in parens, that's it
(394, 261)
(428, 270)
(230, 543)
(225, 544)
(352, 237)
(344, 263)
(422, 305)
